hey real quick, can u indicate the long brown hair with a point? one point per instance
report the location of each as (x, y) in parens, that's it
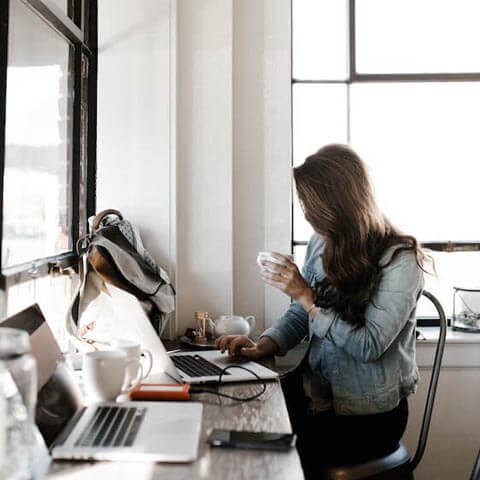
(337, 198)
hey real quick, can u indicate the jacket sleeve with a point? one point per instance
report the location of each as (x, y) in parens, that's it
(290, 329)
(391, 307)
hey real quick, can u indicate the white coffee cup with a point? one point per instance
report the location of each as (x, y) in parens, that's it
(134, 351)
(104, 373)
(269, 257)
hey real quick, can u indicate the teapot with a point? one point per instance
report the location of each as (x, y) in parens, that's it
(232, 325)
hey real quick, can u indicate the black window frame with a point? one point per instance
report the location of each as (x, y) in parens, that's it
(354, 77)
(79, 26)
(442, 245)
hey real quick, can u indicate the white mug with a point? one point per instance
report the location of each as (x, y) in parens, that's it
(104, 373)
(134, 351)
(268, 256)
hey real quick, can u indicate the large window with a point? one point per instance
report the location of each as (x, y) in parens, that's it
(47, 136)
(400, 82)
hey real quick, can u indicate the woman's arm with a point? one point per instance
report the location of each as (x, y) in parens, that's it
(392, 306)
(290, 329)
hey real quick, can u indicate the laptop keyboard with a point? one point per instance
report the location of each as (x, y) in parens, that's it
(196, 366)
(112, 427)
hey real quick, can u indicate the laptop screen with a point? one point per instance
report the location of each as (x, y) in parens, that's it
(59, 396)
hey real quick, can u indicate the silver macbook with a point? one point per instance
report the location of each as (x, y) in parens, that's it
(206, 367)
(129, 431)
(133, 323)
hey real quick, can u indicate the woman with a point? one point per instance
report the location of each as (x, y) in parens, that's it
(356, 301)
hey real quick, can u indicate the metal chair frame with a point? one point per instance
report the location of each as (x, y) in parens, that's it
(395, 465)
(476, 469)
(432, 389)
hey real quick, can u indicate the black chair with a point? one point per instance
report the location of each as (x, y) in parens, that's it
(399, 464)
(476, 469)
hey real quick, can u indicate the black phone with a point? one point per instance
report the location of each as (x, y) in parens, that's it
(254, 440)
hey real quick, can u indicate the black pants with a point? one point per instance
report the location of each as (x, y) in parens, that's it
(329, 439)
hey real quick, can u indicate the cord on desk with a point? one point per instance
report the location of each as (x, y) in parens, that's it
(232, 397)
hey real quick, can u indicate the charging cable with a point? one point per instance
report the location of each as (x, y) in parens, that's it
(232, 397)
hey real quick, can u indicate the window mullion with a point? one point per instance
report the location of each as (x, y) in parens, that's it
(91, 167)
(56, 18)
(76, 59)
(351, 39)
(4, 21)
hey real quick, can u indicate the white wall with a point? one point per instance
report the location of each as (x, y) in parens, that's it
(134, 97)
(136, 107)
(194, 142)
(233, 154)
(277, 132)
(248, 156)
(204, 136)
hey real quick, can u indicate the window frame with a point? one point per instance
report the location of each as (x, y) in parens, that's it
(79, 26)
(354, 77)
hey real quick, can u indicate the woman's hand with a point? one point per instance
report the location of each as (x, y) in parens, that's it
(241, 345)
(288, 279)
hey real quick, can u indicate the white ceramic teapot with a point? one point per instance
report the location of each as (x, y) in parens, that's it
(233, 325)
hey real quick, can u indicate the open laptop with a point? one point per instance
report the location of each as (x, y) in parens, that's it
(206, 367)
(183, 367)
(130, 431)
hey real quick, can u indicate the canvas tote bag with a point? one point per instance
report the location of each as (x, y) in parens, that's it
(112, 253)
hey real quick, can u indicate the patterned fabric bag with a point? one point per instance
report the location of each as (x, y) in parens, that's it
(113, 253)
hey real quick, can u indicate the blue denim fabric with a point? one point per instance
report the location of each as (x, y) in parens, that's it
(358, 371)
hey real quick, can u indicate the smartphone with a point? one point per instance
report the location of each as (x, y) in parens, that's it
(254, 440)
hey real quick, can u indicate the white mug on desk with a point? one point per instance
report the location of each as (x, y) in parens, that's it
(134, 351)
(104, 373)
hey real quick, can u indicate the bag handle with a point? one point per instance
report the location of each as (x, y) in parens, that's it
(100, 216)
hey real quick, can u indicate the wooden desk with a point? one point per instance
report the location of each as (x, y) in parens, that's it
(268, 413)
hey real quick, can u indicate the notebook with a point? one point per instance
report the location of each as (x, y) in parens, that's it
(129, 431)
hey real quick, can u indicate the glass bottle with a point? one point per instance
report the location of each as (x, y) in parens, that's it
(18, 382)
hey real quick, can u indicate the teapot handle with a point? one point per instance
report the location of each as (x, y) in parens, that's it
(251, 321)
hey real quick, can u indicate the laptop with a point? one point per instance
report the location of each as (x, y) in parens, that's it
(130, 431)
(207, 366)
(183, 367)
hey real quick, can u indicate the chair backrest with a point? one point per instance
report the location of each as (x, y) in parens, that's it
(476, 469)
(432, 389)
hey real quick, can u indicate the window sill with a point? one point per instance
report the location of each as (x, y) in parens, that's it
(58, 264)
(461, 349)
(430, 335)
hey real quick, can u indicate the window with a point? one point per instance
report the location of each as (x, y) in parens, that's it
(400, 82)
(47, 137)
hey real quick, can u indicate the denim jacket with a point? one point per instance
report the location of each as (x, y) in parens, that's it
(362, 370)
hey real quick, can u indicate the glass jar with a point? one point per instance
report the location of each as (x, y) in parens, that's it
(18, 382)
(466, 309)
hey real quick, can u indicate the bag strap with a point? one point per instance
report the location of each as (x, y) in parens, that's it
(100, 216)
(73, 313)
